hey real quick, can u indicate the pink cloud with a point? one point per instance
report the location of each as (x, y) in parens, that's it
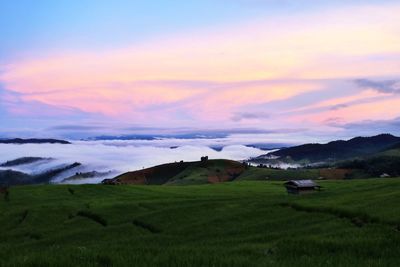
(383, 109)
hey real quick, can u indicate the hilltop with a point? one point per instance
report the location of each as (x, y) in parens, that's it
(179, 173)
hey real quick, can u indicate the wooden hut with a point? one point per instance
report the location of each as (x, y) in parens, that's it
(301, 186)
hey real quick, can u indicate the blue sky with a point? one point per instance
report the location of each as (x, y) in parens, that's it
(42, 26)
(51, 25)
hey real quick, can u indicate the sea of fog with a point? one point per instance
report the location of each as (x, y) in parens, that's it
(115, 157)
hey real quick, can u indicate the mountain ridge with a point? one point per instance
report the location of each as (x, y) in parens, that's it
(33, 141)
(337, 150)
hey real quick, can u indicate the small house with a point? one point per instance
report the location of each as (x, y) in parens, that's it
(301, 186)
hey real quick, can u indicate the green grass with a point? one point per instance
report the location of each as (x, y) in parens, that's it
(391, 152)
(254, 173)
(198, 173)
(349, 223)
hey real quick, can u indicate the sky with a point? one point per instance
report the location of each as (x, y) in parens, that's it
(289, 70)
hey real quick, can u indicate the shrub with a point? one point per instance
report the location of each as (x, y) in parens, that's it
(71, 191)
(146, 226)
(93, 216)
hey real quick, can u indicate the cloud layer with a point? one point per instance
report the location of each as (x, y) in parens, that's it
(119, 156)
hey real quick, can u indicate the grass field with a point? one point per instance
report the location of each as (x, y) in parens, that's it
(254, 173)
(349, 223)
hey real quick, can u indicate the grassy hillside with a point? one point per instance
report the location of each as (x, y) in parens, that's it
(254, 173)
(383, 162)
(349, 223)
(213, 171)
(393, 151)
(160, 174)
(183, 173)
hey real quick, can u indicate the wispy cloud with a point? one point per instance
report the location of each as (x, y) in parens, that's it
(75, 127)
(387, 86)
(227, 76)
(250, 116)
(369, 127)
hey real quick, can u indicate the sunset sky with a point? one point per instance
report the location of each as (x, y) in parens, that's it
(295, 68)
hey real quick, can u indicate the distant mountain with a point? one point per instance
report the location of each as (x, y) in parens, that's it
(21, 161)
(337, 150)
(269, 146)
(32, 141)
(11, 177)
(121, 137)
(157, 136)
(85, 175)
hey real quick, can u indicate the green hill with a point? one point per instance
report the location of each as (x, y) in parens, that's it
(183, 173)
(385, 162)
(348, 223)
(391, 151)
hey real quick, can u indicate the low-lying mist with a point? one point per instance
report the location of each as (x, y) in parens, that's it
(110, 158)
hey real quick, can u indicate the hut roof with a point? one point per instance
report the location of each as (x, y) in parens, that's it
(302, 183)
